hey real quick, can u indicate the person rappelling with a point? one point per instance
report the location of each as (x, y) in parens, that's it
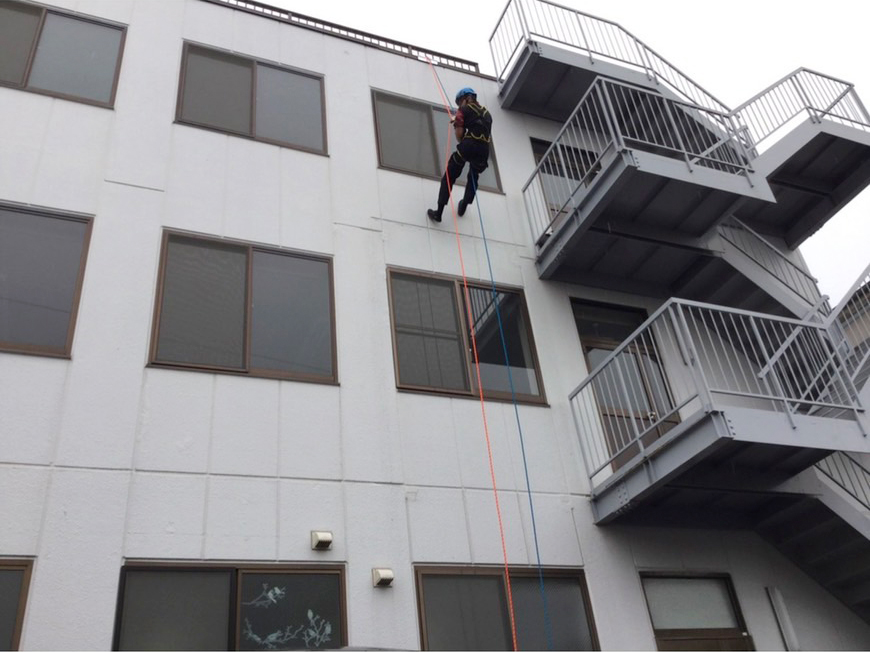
(473, 127)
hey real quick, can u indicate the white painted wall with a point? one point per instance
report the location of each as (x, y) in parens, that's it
(103, 459)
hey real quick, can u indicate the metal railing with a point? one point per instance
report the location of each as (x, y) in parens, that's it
(850, 329)
(613, 117)
(333, 29)
(690, 357)
(801, 92)
(849, 474)
(771, 260)
(524, 20)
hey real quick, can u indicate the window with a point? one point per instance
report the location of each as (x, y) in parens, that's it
(251, 98)
(230, 608)
(42, 261)
(562, 173)
(239, 308)
(642, 394)
(60, 54)
(467, 609)
(412, 137)
(432, 338)
(695, 613)
(14, 581)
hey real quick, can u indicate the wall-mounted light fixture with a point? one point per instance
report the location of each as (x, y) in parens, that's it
(382, 577)
(321, 540)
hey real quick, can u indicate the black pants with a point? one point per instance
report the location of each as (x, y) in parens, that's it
(476, 154)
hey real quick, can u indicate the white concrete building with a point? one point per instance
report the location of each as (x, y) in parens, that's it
(226, 325)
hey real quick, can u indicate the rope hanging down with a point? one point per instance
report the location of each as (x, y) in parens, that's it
(547, 622)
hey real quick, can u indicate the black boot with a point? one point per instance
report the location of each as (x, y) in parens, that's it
(435, 215)
(462, 206)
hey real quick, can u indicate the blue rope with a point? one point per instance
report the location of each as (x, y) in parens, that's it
(547, 623)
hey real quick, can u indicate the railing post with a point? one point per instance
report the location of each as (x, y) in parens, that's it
(523, 23)
(679, 136)
(684, 336)
(774, 376)
(610, 113)
(810, 109)
(860, 105)
(647, 64)
(587, 47)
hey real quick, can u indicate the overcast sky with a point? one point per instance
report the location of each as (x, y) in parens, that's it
(733, 49)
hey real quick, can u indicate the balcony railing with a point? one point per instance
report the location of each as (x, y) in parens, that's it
(612, 117)
(850, 329)
(773, 261)
(689, 358)
(801, 93)
(546, 21)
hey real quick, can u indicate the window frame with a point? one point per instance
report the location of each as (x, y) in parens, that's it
(25, 565)
(235, 591)
(254, 372)
(28, 67)
(718, 634)
(498, 189)
(459, 302)
(49, 351)
(528, 572)
(253, 62)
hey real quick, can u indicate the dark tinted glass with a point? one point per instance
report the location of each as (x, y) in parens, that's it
(605, 322)
(217, 90)
(486, 308)
(18, 25)
(76, 57)
(289, 108)
(291, 323)
(465, 612)
(428, 340)
(175, 610)
(10, 594)
(284, 611)
(405, 137)
(202, 320)
(40, 258)
(566, 612)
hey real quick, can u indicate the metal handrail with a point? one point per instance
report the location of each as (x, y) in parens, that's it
(803, 91)
(849, 324)
(340, 31)
(771, 259)
(612, 117)
(595, 37)
(849, 474)
(690, 357)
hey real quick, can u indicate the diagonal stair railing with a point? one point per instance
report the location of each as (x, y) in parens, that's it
(849, 474)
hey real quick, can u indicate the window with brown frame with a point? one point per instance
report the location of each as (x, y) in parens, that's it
(241, 308)
(66, 55)
(14, 582)
(412, 137)
(205, 607)
(246, 97)
(695, 612)
(467, 609)
(42, 262)
(432, 338)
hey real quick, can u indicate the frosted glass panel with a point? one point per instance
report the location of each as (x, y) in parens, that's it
(689, 603)
(39, 268)
(289, 108)
(76, 57)
(18, 25)
(175, 610)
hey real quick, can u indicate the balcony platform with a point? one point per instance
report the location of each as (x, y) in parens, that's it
(722, 469)
(814, 171)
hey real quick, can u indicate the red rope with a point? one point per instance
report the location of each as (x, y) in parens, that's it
(470, 318)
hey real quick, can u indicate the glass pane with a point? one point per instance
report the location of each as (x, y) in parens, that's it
(217, 90)
(18, 25)
(10, 592)
(569, 626)
(175, 610)
(291, 322)
(428, 342)
(606, 323)
(203, 312)
(655, 380)
(289, 108)
(405, 135)
(40, 259)
(76, 57)
(487, 180)
(466, 612)
(486, 309)
(619, 385)
(689, 603)
(290, 611)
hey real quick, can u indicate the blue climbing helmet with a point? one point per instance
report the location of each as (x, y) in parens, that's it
(463, 92)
